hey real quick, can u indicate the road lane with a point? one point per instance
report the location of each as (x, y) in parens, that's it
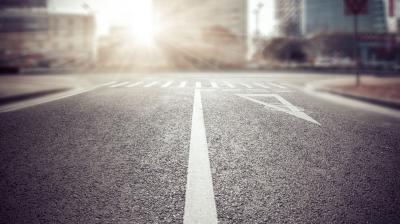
(109, 156)
(120, 155)
(271, 167)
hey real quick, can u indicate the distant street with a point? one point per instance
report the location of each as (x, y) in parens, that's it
(199, 148)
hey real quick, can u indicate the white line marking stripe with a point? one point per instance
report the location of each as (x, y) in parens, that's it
(198, 85)
(229, 84)
(167, 84)
(119, 84)
(199, 200)
(151, 84)
(276, 85)
(214, 85)
(261, 85)
(134, 84)
(246, 85)
(183, 84)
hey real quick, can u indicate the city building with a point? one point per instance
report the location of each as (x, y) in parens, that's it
(376, 43)
(329, 16)
(38, 38)
(206, 31)
(288, 15)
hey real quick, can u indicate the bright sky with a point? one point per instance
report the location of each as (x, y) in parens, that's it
(134, 12)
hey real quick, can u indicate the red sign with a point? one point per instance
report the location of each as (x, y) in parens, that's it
(355, 7)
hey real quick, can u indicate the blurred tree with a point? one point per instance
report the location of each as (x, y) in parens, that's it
(285, 50)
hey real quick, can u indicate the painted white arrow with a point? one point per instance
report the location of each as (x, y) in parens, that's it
(285, 106)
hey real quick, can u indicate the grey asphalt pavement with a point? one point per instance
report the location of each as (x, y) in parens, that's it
(119, 154)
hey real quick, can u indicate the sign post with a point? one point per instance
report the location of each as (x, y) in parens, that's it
(355, 8)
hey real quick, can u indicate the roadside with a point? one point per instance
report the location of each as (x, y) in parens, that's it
(379, 91)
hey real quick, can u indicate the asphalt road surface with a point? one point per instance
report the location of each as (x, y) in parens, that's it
(199, 148)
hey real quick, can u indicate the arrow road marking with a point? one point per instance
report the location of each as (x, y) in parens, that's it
(284, 105)
(199, 200)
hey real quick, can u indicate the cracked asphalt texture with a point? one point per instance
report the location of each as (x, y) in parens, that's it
(118, 155)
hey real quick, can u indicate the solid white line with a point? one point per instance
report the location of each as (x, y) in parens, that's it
(276, 85)
(199, 200)
(214, 85)
(119, 84)
(151, 84)
(167, 84)
(261, 85)
(183, 84)
(229, 84)
(198, 85)
(134, 84)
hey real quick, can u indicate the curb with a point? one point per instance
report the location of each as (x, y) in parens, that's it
(321, 87)
(372, 100)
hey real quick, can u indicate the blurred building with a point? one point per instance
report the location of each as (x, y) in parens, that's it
(376, 40)
(23, 4)
(206, 32)
(329, 16)
(288, 16)
(38, 38)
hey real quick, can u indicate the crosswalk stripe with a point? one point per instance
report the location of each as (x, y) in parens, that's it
(119, 84)
(246, 85)
(183, 84)
(278, 86)
(134, 84)
(151, 84)
(261, 85)
(214, 85)
(198, 85)
(167, 84)
(229, 84)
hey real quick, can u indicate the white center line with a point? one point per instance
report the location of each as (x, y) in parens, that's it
(167, 84)
(199, 200)
(182, 85)
(134, 84)
(151, 84)
(119, 84)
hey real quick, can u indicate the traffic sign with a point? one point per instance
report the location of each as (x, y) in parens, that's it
(355, 7)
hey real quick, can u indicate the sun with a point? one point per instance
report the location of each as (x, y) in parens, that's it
(141, 22)
(137, 16)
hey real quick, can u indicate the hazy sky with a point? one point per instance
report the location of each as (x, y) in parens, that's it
(111, 11)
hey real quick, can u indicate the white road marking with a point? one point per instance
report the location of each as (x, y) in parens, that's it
(42, 100)
(119, 84)
(214, 85)
(246, 85)
(198, 85)
(108, 83)
(183, 84)
(284, 105)
(262, 85)
(229, 84)
(151, 84)
(199, 199)
(276, 85)
(134, 84)
(167, 84)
